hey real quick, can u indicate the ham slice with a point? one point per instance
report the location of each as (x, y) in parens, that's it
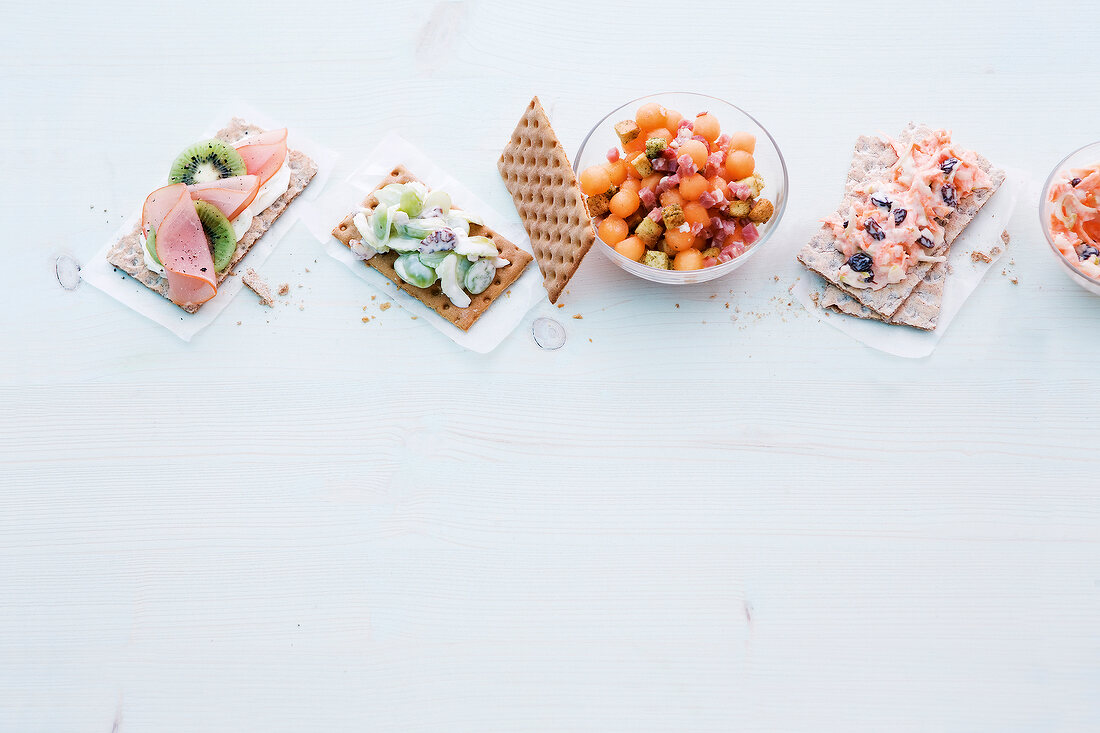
(181, 245)
(264, 153)
(230, 195)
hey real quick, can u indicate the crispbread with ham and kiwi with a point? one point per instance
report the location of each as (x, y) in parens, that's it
(872, 159)
(433, 296)
(544, 188)
(127, 255)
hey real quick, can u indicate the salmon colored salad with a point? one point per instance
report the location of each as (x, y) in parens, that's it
(900, 221)
(679, 194)
(1075, 218)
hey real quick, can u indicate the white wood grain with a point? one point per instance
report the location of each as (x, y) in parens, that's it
(690, 518)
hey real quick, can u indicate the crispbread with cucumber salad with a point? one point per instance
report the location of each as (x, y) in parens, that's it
(443, 256)
(906, 200)
(223, 195)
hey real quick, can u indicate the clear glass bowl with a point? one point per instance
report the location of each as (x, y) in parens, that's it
(1081, 158)
(769, 164)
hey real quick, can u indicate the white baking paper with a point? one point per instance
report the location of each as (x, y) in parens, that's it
(963, 277)
(99, 273)
(501, 318)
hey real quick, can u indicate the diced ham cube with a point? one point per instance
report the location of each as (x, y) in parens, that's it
(647, 197)
(749, 233)
(657, 213)
(709, 262)
(612, 155)
(685, 166)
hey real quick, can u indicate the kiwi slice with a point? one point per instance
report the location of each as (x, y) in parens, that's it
(219, 233)
(210, 160)
(151, 246)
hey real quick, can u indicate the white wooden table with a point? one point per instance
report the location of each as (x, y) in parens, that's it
(678, 522)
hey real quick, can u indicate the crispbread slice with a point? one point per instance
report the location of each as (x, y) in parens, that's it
(126, 254)
(871, 159)
(544, 187)
(433, 296)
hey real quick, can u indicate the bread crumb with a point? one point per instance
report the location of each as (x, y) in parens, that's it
(977, 256)
(238, 322)
(307, 269)
(578, 316)
(385, 306)
(677, 305)
(256, 284)
(727, 306)
(1015, 281)
(1004, 237)
(415, 317)
(284, 288)
(814, 295)
(776, 277)
(373, 297)
(589, 340)
(561, 305)
(365, 319)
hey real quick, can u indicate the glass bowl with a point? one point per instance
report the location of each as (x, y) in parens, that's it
(1080, 158)
(769, 164)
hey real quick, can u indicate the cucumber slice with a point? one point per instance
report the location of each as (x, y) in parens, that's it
(448, 281)
(381, 223)
(420, 228)
(438, 200)
(458, 224)
(477, 247)
(479, 276)
(463, 267)
(410, 269)
(403, 244)
(412, 202)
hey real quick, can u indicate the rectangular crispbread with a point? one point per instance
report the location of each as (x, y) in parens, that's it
(548, 197)
(127, 255)
(433, 296)
(871, 160)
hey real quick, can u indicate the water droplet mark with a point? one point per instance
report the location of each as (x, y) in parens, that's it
(68, 272)
(548, 333)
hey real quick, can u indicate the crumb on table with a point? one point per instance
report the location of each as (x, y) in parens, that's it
(256, 284)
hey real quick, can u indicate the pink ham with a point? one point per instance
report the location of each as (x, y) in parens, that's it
(182, 248)
(750, 233)
(230, 195)
(264, 153)
(158, 204)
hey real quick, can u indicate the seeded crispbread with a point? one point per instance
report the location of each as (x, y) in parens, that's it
(544, 187)
(433, 296)
(127, 255)
(871, 160)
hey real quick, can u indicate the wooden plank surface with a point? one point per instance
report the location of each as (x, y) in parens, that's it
(689, 518)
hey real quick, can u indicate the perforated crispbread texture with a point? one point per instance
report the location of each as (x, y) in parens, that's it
(126, 254)
(871, 159)
(433, 296)
(537, 173)
(920, 310)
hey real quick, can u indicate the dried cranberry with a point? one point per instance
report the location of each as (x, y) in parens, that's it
(874, 230)
(926, 242)
(1073, 183)
(899, 216)
(860, 262)
(881, 200)
(845, 224)
(1089, 251)
(948, 194)
(949, 165)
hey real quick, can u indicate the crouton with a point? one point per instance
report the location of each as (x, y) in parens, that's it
(712, 252)
(761, 211)
(598, 205)
(627, 130)
(740, 209)
(648, 231)
(654, 147)
(755, 183)
(673, 216)
(642, 165)
(656, 259)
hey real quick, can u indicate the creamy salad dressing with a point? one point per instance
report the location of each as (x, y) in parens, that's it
(269, 192)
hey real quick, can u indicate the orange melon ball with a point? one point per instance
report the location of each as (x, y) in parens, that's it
(651, 182)
(707, 126)
(689, 259)
(659, 132)
(670, 197)
(595, 180)
(613, 230)
(617, 171)
(631, 184)
(678, 241)
(634, 147)
(624, 203)
(696, 213)
(743, 141)
(632, 248)
(692, 187)
(672, 120)
(650, 116)
(698, 152)
(740, 164)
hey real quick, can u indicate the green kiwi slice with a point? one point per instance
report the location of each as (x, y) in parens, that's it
(219, 233)
(151, 246)
(210, 160)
